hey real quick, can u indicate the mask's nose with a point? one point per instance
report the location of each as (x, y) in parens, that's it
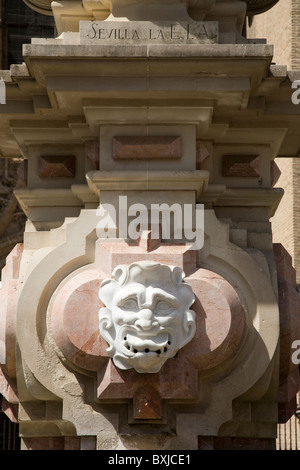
(146, 320)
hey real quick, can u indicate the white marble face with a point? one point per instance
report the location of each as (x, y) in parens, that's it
(147, 317)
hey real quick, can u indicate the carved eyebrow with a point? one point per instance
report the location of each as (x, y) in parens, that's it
(159, 295)
(131, 293)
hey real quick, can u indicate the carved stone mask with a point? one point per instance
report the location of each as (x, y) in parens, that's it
(147, 317)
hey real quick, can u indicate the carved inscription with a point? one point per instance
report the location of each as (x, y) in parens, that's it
(143, 32)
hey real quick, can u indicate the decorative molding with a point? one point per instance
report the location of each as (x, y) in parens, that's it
(83, 192)
(148, 180)
(255, 7)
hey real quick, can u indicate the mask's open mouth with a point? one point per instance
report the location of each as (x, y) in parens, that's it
(159, 344)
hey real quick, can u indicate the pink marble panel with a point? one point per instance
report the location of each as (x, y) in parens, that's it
(221, 320)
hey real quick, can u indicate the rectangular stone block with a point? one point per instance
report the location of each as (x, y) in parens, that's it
(241, 166)
(56, 167)
(146, 32)
(146, 147)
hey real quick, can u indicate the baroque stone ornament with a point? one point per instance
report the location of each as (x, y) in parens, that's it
(147, 316)
(254, 7)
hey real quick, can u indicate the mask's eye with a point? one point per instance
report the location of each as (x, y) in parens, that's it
(129, 304)
(163, 306)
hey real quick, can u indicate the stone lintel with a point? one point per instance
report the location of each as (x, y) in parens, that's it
(232, 51)
(83, 192)
(148, 180)
(46, 198)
